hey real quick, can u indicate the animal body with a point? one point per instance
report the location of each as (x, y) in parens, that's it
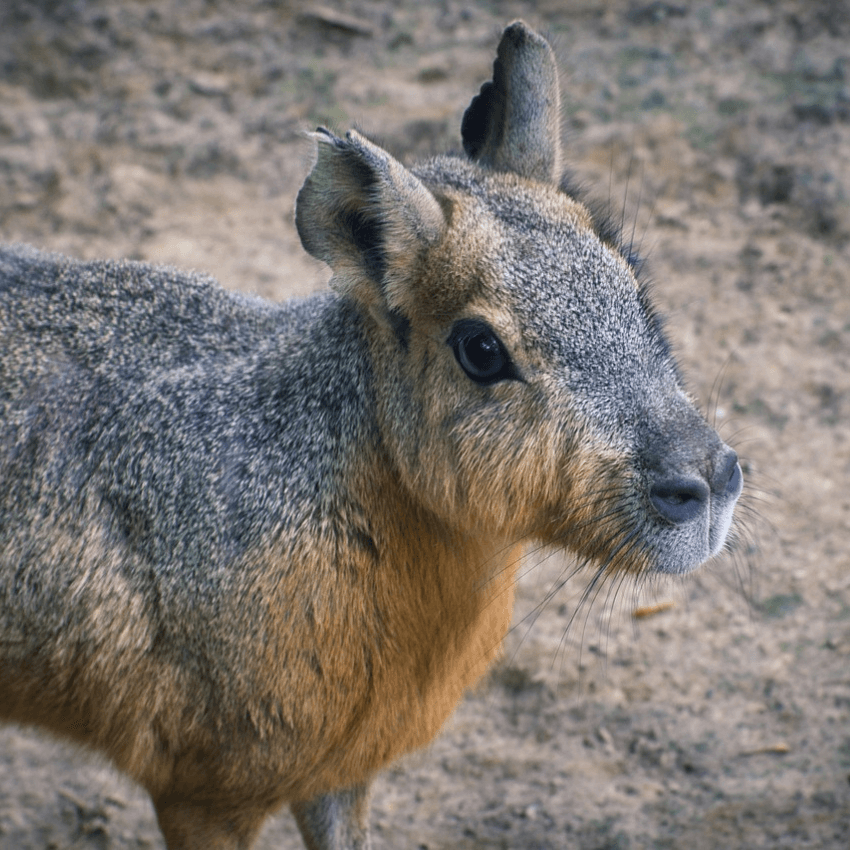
(254, 552)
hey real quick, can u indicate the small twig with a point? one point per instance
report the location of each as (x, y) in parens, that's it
(779, 748)
(651, 610)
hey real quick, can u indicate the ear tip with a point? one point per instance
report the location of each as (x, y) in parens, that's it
(518, 35)
(326, 136)
(322, 135)
(518, 28)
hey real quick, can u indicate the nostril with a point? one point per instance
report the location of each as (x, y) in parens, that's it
(727, 476)
(679, 499)
(735, 483)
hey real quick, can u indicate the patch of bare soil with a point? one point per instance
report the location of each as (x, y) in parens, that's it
(171, 130)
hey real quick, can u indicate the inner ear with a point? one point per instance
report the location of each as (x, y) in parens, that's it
(367, 234)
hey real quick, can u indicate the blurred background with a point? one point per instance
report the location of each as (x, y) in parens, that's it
(719, 133)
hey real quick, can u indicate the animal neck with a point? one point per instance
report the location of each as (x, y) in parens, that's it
(443, 595)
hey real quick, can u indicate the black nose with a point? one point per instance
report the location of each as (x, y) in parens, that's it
(681, 498)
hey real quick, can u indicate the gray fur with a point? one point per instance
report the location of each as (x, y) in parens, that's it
(118, 373)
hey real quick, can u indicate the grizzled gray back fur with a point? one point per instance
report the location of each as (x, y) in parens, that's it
(199, 372)
(254, 552)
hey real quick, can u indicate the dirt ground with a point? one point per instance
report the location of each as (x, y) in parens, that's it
(172, 131)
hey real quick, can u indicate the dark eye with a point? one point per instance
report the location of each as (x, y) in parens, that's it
(480, 352)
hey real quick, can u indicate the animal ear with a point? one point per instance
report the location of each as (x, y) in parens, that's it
(514, 123)
(365, 215)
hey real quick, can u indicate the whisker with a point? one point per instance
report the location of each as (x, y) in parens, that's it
(530, 619)
(717, 388)
(648, 220)
(593, 587)
(622, 225)
(632, 251)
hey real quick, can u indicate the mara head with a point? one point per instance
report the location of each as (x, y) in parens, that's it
(525, 389)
